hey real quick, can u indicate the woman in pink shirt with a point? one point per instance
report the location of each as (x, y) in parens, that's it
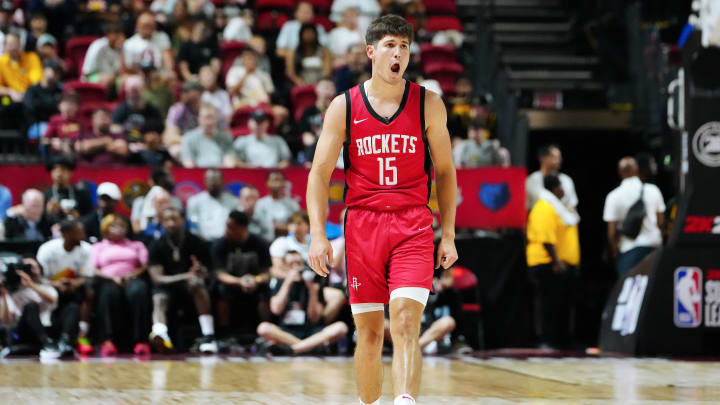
(120, 266)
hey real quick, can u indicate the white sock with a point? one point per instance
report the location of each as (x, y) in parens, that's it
(207, 325)
(374, 403)
(84, 328)
(404, 399)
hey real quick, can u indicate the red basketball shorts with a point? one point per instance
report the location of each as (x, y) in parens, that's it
(386, 250)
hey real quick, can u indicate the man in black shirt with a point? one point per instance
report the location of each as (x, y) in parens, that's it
(297, 301)
(63, 199)
(199, 51)
(177, 268)
(41, 100)
(240, 262)
(130, 116)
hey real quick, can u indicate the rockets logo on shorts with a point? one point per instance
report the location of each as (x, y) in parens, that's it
(688, 297)
(355, 284)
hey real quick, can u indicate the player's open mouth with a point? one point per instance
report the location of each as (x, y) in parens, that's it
(395, 67)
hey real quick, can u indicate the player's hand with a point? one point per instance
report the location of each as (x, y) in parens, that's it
(321, 253)
(446, 254)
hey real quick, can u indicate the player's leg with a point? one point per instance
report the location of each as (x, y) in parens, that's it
(437, 330)
(368, 352)
(405, 316)
(273, 334)
(328, 335)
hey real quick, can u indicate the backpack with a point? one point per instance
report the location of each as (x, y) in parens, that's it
(632, 224)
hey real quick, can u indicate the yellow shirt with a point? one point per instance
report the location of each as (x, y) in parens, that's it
(20, 76)
(546, 227)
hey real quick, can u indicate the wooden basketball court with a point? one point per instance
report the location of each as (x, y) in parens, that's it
(329, 381)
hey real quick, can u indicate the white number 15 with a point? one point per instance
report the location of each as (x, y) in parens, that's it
(384, 164)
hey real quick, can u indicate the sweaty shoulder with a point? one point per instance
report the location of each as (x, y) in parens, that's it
(434, 108)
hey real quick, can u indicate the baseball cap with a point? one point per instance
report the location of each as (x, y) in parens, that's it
(7, 6)
(109, 189)
(46, 39)
(259, 115)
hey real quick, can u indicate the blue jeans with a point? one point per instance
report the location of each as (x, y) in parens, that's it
(626, 261)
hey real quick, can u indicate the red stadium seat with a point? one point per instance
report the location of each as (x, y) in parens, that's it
(88, 109)
(229, 51)
(275, 4)
(75, 50)
(270, 21)
(443, 23)
(302, 97)
(88, 92)
(325, 22)
(434, 7)
(322, 7)
(446, 74)
(430, 53)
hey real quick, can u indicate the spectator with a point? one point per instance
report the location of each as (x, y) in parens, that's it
(478, 150)
(103, 62)
(207, 211)
(120, 264)
(249, 196)
(207, 146)
(550, 158)
(309, 61)
(64, 128)
(312, 119)
(66, 263)
(60, 15)
(259, 44)
(240, 263)
(98, 145)
(26, 305)
(63, 199)
(239, 28)
(143, 207)
(178, 267)
(214, 95)
(130, 116)
(356, 70)
(153, 230)
(553, 254)
(297, 240)
(41, 100)
(7, 9)
(630, 250)
(368, 11)
(248, 86)
(108, 196)
(18, 71)
(152, 152)
(149, 45)
(183, 115)
(201, 50)
(289, 37)
(260, 149)
(345, 36)
(275, 209)
(46, 49)
(298, 303)
(38, 27)
(160, 89)
(28, 222)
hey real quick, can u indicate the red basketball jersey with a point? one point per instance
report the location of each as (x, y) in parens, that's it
(387, 161)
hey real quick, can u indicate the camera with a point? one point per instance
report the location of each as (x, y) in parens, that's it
(11, 276)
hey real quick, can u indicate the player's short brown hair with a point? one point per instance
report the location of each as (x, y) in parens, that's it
(390, 24)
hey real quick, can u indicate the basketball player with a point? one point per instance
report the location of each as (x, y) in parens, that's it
(388, 129)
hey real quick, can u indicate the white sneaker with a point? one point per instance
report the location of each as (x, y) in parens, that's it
(209, 345)
(431, 348)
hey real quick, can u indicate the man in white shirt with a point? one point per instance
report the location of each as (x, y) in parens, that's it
(248, 85)
(550, 158)
(346, 35)
(630, 252)
(260, 149)
(103, 59)
(148, 46)
(369, 10)
(275, 209)
(208, 211)
(289, 36)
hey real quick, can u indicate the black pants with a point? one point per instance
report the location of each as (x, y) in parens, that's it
(116, 304)
(30, 330)
(553, 297)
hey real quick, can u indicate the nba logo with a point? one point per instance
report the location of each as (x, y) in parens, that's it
(688, 297)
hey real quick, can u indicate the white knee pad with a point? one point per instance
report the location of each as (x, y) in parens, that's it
(414, 293)
(367, 307)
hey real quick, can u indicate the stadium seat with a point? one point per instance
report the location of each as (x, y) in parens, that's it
(75, 50)
(229, 51)
(270, 21)
(302, 97)
(325, 22)
(430, 53)
(435, 7)
(446, 73)
(88, 92)
(88, 109)
(443, 23)
(262, 5)
(322, 7)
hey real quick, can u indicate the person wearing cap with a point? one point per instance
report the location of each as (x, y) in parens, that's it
(103, 60)
(18, 71)
(207, 146)
(47, 49)
(64, 128)
(63, 199)
(97, 145)
(260, 149)
(41, 100)
(108, 196)
(183, 115)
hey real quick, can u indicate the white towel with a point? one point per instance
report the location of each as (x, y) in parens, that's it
(568, 216)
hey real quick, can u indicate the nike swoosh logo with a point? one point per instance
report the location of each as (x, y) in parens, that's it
(359, 121)
(424, 228)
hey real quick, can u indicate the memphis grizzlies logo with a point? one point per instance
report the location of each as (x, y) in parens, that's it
(494, 196)
(688, 297)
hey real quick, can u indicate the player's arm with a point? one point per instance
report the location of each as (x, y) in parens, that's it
(326, 156)
(445, 176)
